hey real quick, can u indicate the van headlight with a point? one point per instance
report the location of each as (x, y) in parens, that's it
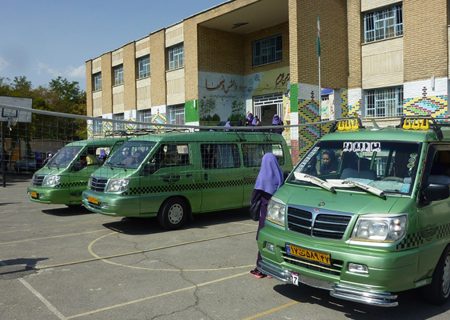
(51, 180)
(276, 212)
(117, 185)
(380, 228)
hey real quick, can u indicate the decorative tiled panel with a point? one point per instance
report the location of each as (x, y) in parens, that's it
(435, 106)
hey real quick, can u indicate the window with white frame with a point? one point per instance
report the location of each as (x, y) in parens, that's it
(118, 75)
(97, 126)
(384, 102)
(383, 24)
(175, 57)
(117, 126)
(97, 81)
(175, 114)
(143, 67)
(144, 116)
(267, 50)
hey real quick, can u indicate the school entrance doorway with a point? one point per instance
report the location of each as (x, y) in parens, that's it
(266, 106)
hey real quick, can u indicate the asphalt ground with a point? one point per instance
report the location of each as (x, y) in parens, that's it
(61, 263)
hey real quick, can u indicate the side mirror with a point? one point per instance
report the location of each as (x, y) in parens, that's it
(435, 192)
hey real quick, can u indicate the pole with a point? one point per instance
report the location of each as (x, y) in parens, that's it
(3, 164)
(318, 66)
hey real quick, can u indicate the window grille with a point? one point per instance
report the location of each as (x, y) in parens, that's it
(118, 75)
(220, 156)
(97, 81)
(144, 116)
(385, 102)
(175, 56)
(175, 114)
(267, 50)
(383, 24)
(143, 64)
(253, 153)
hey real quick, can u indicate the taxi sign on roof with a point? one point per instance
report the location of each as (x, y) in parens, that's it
(416, 124)
(350, 124)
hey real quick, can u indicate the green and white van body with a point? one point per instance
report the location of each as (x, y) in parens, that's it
(63, 179)
(181, 174)
(366, 230)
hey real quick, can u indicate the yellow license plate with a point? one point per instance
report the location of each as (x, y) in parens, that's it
(93, 200)
(34, 194)
(311, 255)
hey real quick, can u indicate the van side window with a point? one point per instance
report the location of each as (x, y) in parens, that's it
(440, 169)
(253, 153)
(219, 156)
(172, 155)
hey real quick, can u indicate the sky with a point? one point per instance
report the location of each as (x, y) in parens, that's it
(44, 39)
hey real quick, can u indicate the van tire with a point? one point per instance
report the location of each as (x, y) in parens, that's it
(173, 213)
(438, 291)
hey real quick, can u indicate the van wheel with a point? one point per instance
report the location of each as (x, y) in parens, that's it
(173, 213)
(438, 291)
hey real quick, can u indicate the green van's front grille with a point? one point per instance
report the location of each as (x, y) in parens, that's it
(328, 225)
(98, 184)
(37, 180)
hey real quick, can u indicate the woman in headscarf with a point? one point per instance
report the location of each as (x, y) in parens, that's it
(249, 119)
(270, 178)
(328, 162)
(276, 121)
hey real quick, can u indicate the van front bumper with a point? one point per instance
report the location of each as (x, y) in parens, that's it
(113, 204)
(345, 292)
(388, 272)
(52, 195)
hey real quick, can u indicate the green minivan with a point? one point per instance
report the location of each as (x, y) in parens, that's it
(175, 175)
(372, 222)
(65, 176)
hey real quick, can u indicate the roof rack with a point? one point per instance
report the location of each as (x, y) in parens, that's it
(138, 132)
(421, 123)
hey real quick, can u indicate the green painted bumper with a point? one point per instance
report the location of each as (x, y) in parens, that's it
(54, 195)
(116, 205)
(388, 271)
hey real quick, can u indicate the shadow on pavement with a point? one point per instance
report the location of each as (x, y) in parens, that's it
(411, 304)
(18, 268)
(67, 211)
(138, 226)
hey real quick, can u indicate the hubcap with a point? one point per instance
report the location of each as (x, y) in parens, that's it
(175, 213)
(446, 277)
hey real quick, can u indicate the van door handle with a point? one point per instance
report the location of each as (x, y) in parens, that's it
(189, 175)
(205, 176)
(171, 178)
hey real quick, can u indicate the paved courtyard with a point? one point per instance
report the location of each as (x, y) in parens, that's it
(61, 263)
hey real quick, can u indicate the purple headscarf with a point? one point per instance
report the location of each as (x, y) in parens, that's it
(270, 176)
(249, 117)
(276, 120)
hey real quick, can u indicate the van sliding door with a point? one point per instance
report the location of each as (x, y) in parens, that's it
(222, 177)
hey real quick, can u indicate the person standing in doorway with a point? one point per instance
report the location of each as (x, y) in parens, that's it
(270, 178)
(276, 121)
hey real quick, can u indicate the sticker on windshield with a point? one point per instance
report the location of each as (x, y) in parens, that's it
(361, 146)
(308, 158)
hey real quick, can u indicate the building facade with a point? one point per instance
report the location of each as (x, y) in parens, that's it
(378, 59)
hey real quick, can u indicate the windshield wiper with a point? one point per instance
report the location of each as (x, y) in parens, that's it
(366, 187)
(314, 180)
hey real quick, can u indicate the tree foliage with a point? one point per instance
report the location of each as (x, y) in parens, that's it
(61, 95)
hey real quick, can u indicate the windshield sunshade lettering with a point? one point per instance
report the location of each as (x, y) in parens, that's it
(361, 146)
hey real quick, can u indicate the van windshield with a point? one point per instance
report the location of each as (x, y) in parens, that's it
(376, 167)
(64, 157)
(130, 154)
